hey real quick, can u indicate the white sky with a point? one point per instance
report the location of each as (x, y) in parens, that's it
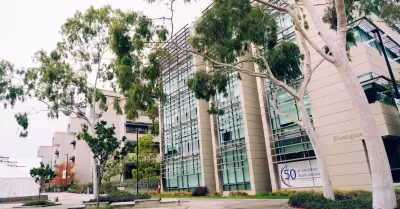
(30, 25)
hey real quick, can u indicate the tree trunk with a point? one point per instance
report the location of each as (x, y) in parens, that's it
(40, 190)
(98, 180)
(382, 181)
(94, 163)
(314, 139)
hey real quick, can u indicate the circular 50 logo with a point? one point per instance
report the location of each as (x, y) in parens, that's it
(287, 174)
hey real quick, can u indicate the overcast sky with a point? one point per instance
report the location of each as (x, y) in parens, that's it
(30, 25)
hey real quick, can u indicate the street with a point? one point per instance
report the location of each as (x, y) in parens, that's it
(69, 200)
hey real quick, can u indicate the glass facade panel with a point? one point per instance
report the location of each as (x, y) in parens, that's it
(362, 36)
(233, 166)
(181, 161)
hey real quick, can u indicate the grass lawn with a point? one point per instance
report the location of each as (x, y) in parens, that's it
(226, 197)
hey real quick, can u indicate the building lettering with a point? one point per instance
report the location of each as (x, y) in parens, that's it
(347, 137)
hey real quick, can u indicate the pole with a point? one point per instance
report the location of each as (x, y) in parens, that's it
(396, 90)
(66, 172)
(137, 160)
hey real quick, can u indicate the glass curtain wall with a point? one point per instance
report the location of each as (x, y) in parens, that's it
(233, 168)
(181, 163)
(289, 142)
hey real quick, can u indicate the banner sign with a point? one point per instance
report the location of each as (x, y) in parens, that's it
(299, 174)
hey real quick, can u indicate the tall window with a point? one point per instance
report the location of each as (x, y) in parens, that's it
(181, 163)
(233, 168)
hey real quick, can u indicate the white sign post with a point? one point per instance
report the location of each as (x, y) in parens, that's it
(64, 174)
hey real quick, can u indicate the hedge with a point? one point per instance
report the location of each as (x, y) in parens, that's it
(39, 202)
(121, 196)
(355, 199)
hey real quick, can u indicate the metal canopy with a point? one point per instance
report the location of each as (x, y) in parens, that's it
(368, 27)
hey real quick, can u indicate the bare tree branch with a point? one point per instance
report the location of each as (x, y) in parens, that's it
(274, 6)
(317, 65)
(304, 34)
(281, 113)
(341, 22)
(323, 30)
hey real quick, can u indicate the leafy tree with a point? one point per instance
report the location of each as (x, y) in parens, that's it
(58, 180)
(62, 79)
(114, 167)
(42, 175)
(103, 145)
(148, 167)
(10, 92)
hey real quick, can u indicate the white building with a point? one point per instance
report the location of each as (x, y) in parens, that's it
(78, 151)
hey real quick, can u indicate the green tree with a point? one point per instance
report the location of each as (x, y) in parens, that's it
(62, 80)
(147, 170)
(10, 92)
(103, 145)
(42, 175)
(115, 167)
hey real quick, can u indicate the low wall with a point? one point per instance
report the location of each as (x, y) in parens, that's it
(22, 199)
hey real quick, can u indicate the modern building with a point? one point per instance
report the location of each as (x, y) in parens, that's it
(186, 124)
(79, 153)
(252, 148)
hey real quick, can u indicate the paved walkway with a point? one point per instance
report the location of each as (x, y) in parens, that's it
(69, 200)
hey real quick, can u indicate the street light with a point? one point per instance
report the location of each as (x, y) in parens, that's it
(138, 127)
(66, 172)
(396, 90)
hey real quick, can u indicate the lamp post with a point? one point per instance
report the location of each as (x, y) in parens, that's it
(137, 160)
(396, 90)
(66, 172)
(136, 128)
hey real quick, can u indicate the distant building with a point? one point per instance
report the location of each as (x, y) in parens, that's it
(79, 153)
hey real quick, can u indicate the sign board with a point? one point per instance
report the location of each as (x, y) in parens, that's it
(64, 174)
(299, 174)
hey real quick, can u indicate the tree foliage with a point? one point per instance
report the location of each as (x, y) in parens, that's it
(58, 180)
(225, 33)
(103, 145)
(11, 92)
(42, 175)
(148, 165)
(138, 73)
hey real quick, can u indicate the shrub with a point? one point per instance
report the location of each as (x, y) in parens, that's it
(175, 194)
(351, 194)
(318, 201)
(121, 196)
(107, 188)
(263, 194)
(397, 191)
(153, 193)
(216, 194)
(200, 191)
(39, 202)
(283, 192)
(238, 193)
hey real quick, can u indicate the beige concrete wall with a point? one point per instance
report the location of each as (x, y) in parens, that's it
(254, 133)
(46, 154)
(205, 138)
(335, 118)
